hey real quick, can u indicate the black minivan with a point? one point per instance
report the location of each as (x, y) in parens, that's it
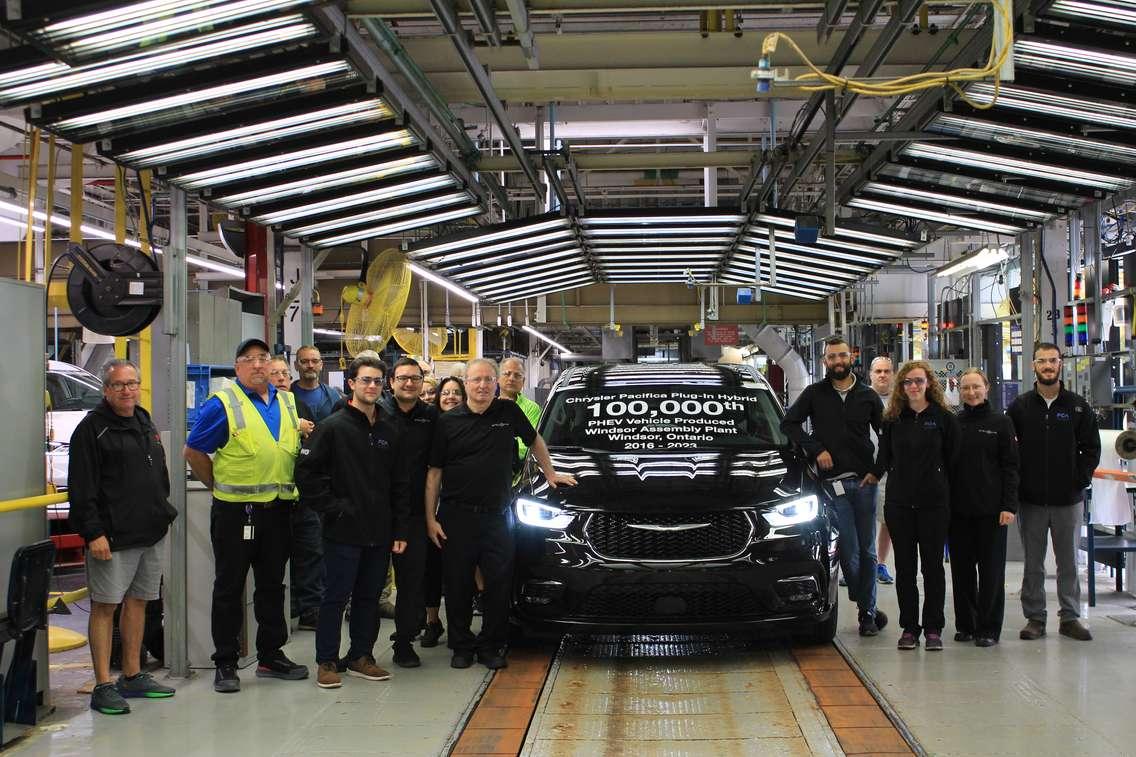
(692, 511)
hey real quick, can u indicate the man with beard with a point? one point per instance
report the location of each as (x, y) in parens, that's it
(1059, 449)
(842, 410)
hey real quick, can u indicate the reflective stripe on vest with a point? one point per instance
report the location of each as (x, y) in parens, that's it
(253, 466)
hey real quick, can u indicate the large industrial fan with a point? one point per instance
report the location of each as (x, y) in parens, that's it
(376, 302)
(113, 289)
(411, 341)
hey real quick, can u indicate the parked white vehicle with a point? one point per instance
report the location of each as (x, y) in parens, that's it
(71, 393)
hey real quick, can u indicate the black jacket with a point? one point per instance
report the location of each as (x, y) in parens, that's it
(354, 475)
(117, 480)
(839, 426)
(416, 435)
(985, 477)
(1059, 446)
(918, 451)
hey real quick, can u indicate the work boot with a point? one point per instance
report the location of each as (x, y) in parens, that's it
(106, 699)
(1033, 631)
(327, 677)
(1074, 630)
(365, 667)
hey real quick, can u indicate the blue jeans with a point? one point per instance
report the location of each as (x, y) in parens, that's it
(356, 572)
(856, 520)
(306, 560)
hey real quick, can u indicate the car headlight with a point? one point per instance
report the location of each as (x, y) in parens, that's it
(793, 512)
(533, 512)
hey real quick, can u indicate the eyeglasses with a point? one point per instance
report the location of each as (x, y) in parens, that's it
(254, 359)
(914, 381)
(450, 393)
(482, 380)
(1046, 360)
(407, 379)
(368, 380)
(118, 386)
(278, 373)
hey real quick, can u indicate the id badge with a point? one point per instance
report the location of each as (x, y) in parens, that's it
(838, 487)
(248, 532)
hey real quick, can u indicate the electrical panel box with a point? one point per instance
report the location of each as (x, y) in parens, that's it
(213, 327)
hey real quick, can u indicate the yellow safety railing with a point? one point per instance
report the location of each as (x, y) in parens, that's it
(30, 503)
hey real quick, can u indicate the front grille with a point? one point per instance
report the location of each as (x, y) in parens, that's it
(612, 535)
(701, 601)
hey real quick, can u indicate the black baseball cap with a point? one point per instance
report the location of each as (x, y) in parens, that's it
(250, 343)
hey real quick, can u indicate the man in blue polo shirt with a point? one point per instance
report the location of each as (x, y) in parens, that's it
(253, 431)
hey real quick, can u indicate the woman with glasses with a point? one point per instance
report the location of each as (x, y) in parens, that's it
(919, 444)
(984, 499)
(450, 394)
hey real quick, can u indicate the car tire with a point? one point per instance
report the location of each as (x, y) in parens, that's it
(825, 631)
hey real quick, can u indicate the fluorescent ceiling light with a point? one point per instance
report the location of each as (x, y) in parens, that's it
(497, 289)
(690, 248)
(561, 237)
(652, 220)
(616, 264)
(653, 258)
(789, 278)
(373, 172)
(1003, 164)
(1045, 103)
(786, 262)
(932, 215)
(410, 208)
(654, 231)
(417, 186)
(193, 50)
(201, 95)
(975, 261)
(509, 264)
(1121, 12)
(1070, 60)
(138, 23)
(789, 223)
(962, 183)
(676, 244)
(327, 332)
(244, 136)
(535, 291)
(490, 282)
(213, 265)
(393, 228)
(1018, 136)
(954, 201)
(480, 239)
(826, 245)
(297, 159)
(418, 270)
(820, 254)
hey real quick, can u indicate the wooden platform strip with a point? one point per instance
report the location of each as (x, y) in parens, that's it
(501, 719)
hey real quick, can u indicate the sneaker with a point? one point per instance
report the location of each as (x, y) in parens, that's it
(882, 574)
(1033, 631)
(386, 610)
(985, 641)
(963, 636)
(494, 659)
(432, 633)
(405, 656)
(934, 642)
(1074, 630)
(327, 676)
(143, 685)
(908, 641)
(106, 699)
(868, 627)
(309, 619)
(462, 659)
(281, 667)
(365, 667)
(881, 619)
(226, 681)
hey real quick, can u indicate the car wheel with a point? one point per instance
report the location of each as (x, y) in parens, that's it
(825, 631)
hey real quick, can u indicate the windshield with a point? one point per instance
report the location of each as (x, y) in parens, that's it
(70, 392)
(663, 418)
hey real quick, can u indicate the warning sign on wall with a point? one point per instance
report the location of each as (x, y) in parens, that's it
(721, 333)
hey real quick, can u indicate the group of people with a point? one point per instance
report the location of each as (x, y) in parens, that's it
(951, 481)
(338, 486)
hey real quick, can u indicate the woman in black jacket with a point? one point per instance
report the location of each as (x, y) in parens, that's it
(918, 446)
(984, 499)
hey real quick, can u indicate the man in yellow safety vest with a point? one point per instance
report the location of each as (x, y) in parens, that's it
(253, 433)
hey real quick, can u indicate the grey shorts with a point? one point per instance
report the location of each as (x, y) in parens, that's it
(881, 491)
(135, 572)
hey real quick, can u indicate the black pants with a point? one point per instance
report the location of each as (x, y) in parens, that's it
(978, 574)
(357, 573)
(233, 555)
(409, 575)
(482, 540)
(432, 582)
(918, 537)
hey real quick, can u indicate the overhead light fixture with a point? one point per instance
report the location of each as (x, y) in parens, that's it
(1046, 103)
(297, 159)
(213, 265)
(672, 243)
(510, 264)
(828, 246)
(394, 228)
(655, 231)
(653, 258)
(558, 278)
(932, 215)
(785, 279)
(640, 266)
(429, 250)
(1120, 12)
(1000, 163)
(1020, 136)
(253, 134)
(327, 332)
(974, 261)
(660, 219)
(533, 272)
(972, 184)
(373, 172)
(954, 201)
(23, 85)
(405, 209)
(1073, 60)
(678, 250)
(793, 269)
(841, 231)
(138, 23)
(445, 283)
(561, 238)
(820, 253)
(405, 189)
(805, 262)
(537, 291)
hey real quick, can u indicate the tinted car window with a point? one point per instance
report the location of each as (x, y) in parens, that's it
(68, 393)
(663, 418)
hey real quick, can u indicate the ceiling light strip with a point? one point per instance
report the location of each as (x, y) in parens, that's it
(374, 172)
(394, 228)
(931, 215)
(404, 189)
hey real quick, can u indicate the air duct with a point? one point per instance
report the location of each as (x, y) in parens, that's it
(773, 345)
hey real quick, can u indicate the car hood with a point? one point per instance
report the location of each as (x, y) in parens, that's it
(680, 482)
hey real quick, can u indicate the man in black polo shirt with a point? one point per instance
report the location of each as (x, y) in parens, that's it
(415, 421)
(471, 463)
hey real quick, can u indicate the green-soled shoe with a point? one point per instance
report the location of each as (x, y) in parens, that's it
(106, 699)
(143, 685)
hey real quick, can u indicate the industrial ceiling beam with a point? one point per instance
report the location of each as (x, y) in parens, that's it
(520, 15)
(448, 16)
(486, 16)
